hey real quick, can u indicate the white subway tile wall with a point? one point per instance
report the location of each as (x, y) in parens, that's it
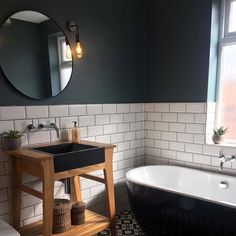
(58, 111)
(151, 133)
(94, 109)
(36, 111)
(120, 124)
(182, 136)
(10, 113)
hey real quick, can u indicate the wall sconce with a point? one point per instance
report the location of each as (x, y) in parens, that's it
(73, 27)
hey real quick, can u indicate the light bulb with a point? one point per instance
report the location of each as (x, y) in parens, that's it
(68, 52)
(79, 51)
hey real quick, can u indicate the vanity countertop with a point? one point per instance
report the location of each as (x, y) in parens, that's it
(27, 152)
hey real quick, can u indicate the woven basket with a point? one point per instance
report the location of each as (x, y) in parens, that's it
(61, 216)
(78, 213)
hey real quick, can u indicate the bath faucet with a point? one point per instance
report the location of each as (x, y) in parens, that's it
(51, 125)
(224, 159)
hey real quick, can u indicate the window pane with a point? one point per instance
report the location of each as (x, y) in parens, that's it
(232, 17)
(227, 91)
(63, 49)
(65, 76)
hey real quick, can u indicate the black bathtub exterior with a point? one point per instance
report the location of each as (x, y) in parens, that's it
(162, 213)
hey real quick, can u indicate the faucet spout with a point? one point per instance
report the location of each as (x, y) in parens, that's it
(53, 125)
(221, 165)
(224, 159)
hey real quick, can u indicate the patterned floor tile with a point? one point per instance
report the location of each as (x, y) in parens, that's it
(125, 225)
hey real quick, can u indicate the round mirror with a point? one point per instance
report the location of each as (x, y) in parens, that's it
(33, 54)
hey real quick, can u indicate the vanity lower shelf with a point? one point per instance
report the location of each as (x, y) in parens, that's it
(94, 223)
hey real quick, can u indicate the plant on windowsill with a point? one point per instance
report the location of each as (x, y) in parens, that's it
(218, 135)
(11, 139)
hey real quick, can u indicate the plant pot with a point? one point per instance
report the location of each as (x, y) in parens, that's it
(217, 139)
(9, 143)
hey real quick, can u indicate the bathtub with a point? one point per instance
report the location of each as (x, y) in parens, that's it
(178, 201)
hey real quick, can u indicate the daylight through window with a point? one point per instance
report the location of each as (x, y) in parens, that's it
(226, 94)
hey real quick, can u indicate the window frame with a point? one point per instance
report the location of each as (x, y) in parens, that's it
(63, 63)
(225, 17)
(226, 39)
(60, 41)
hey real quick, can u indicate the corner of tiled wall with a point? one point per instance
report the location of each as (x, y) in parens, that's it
(120, 124)
(210, 122)
(180, 134)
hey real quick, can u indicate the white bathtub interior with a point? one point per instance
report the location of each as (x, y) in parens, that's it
(185, 181)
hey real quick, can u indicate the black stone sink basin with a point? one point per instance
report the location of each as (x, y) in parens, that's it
(70, 156)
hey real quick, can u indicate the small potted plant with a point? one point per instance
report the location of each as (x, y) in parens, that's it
(12, 139)
(218, 135)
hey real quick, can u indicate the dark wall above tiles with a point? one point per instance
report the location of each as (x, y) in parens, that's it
(134, 50)
(178, 46)
(112, 36)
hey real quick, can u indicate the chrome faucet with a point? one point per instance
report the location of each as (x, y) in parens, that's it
(30, 127)
(224, 159)
(51, 125)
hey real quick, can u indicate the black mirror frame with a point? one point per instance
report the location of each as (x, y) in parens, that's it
(72, 64)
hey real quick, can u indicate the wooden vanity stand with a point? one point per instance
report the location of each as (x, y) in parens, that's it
(41, 165)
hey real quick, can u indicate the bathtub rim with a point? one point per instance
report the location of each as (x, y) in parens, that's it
(222, 203)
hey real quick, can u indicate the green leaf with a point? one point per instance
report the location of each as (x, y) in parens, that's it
(12, 134)
(220, 131)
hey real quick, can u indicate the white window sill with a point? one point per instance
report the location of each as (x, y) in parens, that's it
(224, 144)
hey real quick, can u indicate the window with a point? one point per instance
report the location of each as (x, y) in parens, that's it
(65, 64)
(226, 92)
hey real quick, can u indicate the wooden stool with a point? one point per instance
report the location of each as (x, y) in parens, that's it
(41, 165)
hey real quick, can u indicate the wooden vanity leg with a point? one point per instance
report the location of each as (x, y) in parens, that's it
(48, 197)
(108, 176)
(77, 189)
(16, 192)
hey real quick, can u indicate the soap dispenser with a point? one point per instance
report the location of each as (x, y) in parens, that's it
(75, 133)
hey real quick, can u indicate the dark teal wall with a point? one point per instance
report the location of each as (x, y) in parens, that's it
(134, 50)
(18, 50)
(24, 56)
(112, 35)
(178, 50)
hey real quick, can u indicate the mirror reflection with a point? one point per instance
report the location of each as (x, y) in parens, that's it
(33, 54)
